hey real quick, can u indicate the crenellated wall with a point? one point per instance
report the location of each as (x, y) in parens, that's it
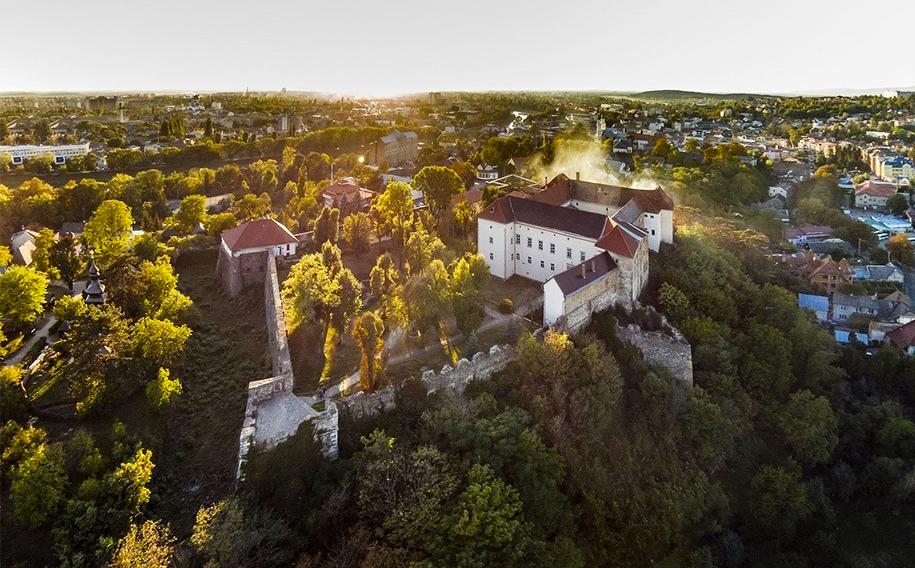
(480, 367)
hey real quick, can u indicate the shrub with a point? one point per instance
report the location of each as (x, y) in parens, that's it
(506, 306)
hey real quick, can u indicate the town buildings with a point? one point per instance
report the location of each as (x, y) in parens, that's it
(61, 153)
(587, 242)
(346, 195)
(872, 193)
(394, 149)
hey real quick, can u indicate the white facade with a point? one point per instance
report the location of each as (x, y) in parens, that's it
(61, 153)
(287, 249)
(534, 252)
(553, 302)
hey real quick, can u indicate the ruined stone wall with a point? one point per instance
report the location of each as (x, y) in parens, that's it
(283, 381)
(276, 321)
(227, 271)
(481, 367)
(662, 350)
(598, 296)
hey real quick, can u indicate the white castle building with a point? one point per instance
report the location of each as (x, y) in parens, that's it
(587, 242)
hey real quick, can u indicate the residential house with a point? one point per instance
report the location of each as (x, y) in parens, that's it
(22, 245)
(807, 233)
(346, 195)
(819, 305)
(873, 193)
(903, 337)
(822, 272)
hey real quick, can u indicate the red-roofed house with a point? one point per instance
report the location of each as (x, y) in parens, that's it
(903, 337)
(346, 195)
(243, 251)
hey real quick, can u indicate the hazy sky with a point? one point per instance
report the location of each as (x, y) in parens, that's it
(398, 46)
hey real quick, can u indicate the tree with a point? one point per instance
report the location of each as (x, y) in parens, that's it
(309, 291)
(326, 226)
(367, 331)
(65, 258)
(808, 425)
(901, 249)
(393, 212)
(129, 481)
(157, 290)
(162, 390)
(357, 230)
(897, 204)
(158, 342)
(468, 278)
(218, 223)
(6, 257)
(227, 535)
(108, 231)
(426, 297)
(466, 172)
(41, 256)
(251, 207)
(191, 212)
(421, 248)
(779, 500)
(439, 185)
(486, 523)
(148, 545)
(12, 395)
(38, 485)
(22, 294)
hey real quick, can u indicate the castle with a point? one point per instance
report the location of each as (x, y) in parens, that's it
(586, 242)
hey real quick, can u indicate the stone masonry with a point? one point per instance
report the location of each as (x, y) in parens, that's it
(662, 350)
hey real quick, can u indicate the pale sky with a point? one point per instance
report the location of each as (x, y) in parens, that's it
(384, 47)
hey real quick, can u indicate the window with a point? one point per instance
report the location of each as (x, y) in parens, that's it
(517, 239)
(528, 260)
(552, 267)
(581, 253)
(490, 256)
(490, 240)
(652, 232)
(568, 253)
(517, 256)
(530, 242)
(552, 248)
(540, 245)
(541, 264)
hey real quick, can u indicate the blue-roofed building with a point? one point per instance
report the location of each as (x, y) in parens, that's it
(843, 336)
(819, 305)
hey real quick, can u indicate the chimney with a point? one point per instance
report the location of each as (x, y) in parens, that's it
(593, 265)
(577, 176)
(584, 270)
(546, 180)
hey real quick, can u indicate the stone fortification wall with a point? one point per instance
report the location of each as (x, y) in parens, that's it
(661, 349)
(596, 297)
(276, 321)
(481, 367)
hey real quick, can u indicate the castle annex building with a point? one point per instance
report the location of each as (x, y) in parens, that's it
(587, 242)
(244, 249)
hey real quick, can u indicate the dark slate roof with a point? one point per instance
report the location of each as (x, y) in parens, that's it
(513, 208)
(595, 268)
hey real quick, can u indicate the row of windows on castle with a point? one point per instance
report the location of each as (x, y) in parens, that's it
(530, 244)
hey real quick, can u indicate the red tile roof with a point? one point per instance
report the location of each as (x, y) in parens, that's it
(623, 239)
(875, 189)
(256, 234)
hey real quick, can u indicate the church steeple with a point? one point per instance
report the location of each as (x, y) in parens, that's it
(95, 290)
